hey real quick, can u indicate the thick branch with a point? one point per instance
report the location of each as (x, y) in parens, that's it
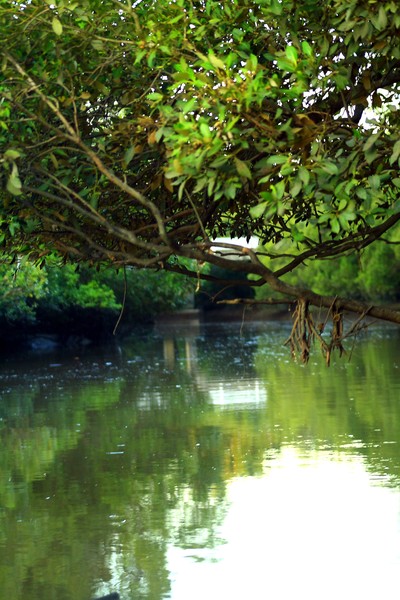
(380, 312)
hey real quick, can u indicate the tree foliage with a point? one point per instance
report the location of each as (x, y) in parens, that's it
(21, 289)
(137, 134)
(83, 301)
(371, 275)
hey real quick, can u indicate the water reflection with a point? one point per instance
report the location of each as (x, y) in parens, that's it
(311, 526)
(201, 464)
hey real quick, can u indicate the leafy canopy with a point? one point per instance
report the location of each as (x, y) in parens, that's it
(140, 133)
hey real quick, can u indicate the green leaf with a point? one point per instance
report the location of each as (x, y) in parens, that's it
(181, 189)
(139, 55)
(151, 58)
(211, 186)
(341, 81)
(347, 25)
(259, 210)
(252, 63)
(286, 65)
(13, 227)
(371, 155)
(155, 97)
(216, 62)
(295, 188)
(335, 225)
(306, 48)
(14, 184)
(205, 130)
(15, 190)
(188, 106)
(242, 168)
(129, 154)
(279, 189)
(362, 193)
(297, 235)
(11, 154)
(330, 167)
(176, 19)
(97, 45)
(201, 184)
(371, 141)
(344, 221)
(304, 175)
(230, 191)
(277, 159)
(374, 181)
(276, 7)
(94, 201)
(395, 153)
(160, 133)
(57, 26)
(382, 20)
(287, 169)
(292, 54)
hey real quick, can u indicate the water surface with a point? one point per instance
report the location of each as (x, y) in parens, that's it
(201, 463)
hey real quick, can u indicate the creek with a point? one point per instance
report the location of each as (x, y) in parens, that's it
(201, 462)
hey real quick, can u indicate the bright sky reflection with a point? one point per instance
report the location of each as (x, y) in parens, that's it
(314, 526)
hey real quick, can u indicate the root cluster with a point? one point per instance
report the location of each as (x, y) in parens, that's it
(305, 332)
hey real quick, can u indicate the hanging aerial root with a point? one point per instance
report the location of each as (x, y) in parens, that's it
(301, 338)
(305, 333)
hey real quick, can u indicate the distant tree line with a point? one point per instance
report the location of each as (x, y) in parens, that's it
(372, 275)
(83, 301)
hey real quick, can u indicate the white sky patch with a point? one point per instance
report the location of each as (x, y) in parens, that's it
(313, 526)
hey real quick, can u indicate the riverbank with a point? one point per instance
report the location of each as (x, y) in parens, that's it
(94, 327)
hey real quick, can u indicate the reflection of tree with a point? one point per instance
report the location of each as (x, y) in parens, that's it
(118, 456)
(34, 438)
(97, 511)
(355, 400)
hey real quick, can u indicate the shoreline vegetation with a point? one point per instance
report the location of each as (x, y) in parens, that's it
(54, 306)
(98, 328)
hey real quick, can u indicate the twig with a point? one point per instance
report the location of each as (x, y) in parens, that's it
(123, 303)
(354, 327)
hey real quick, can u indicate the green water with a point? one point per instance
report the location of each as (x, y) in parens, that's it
(201, 463)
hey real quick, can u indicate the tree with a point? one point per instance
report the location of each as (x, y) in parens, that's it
(75, 301)
(21, 289)
(137, 134)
